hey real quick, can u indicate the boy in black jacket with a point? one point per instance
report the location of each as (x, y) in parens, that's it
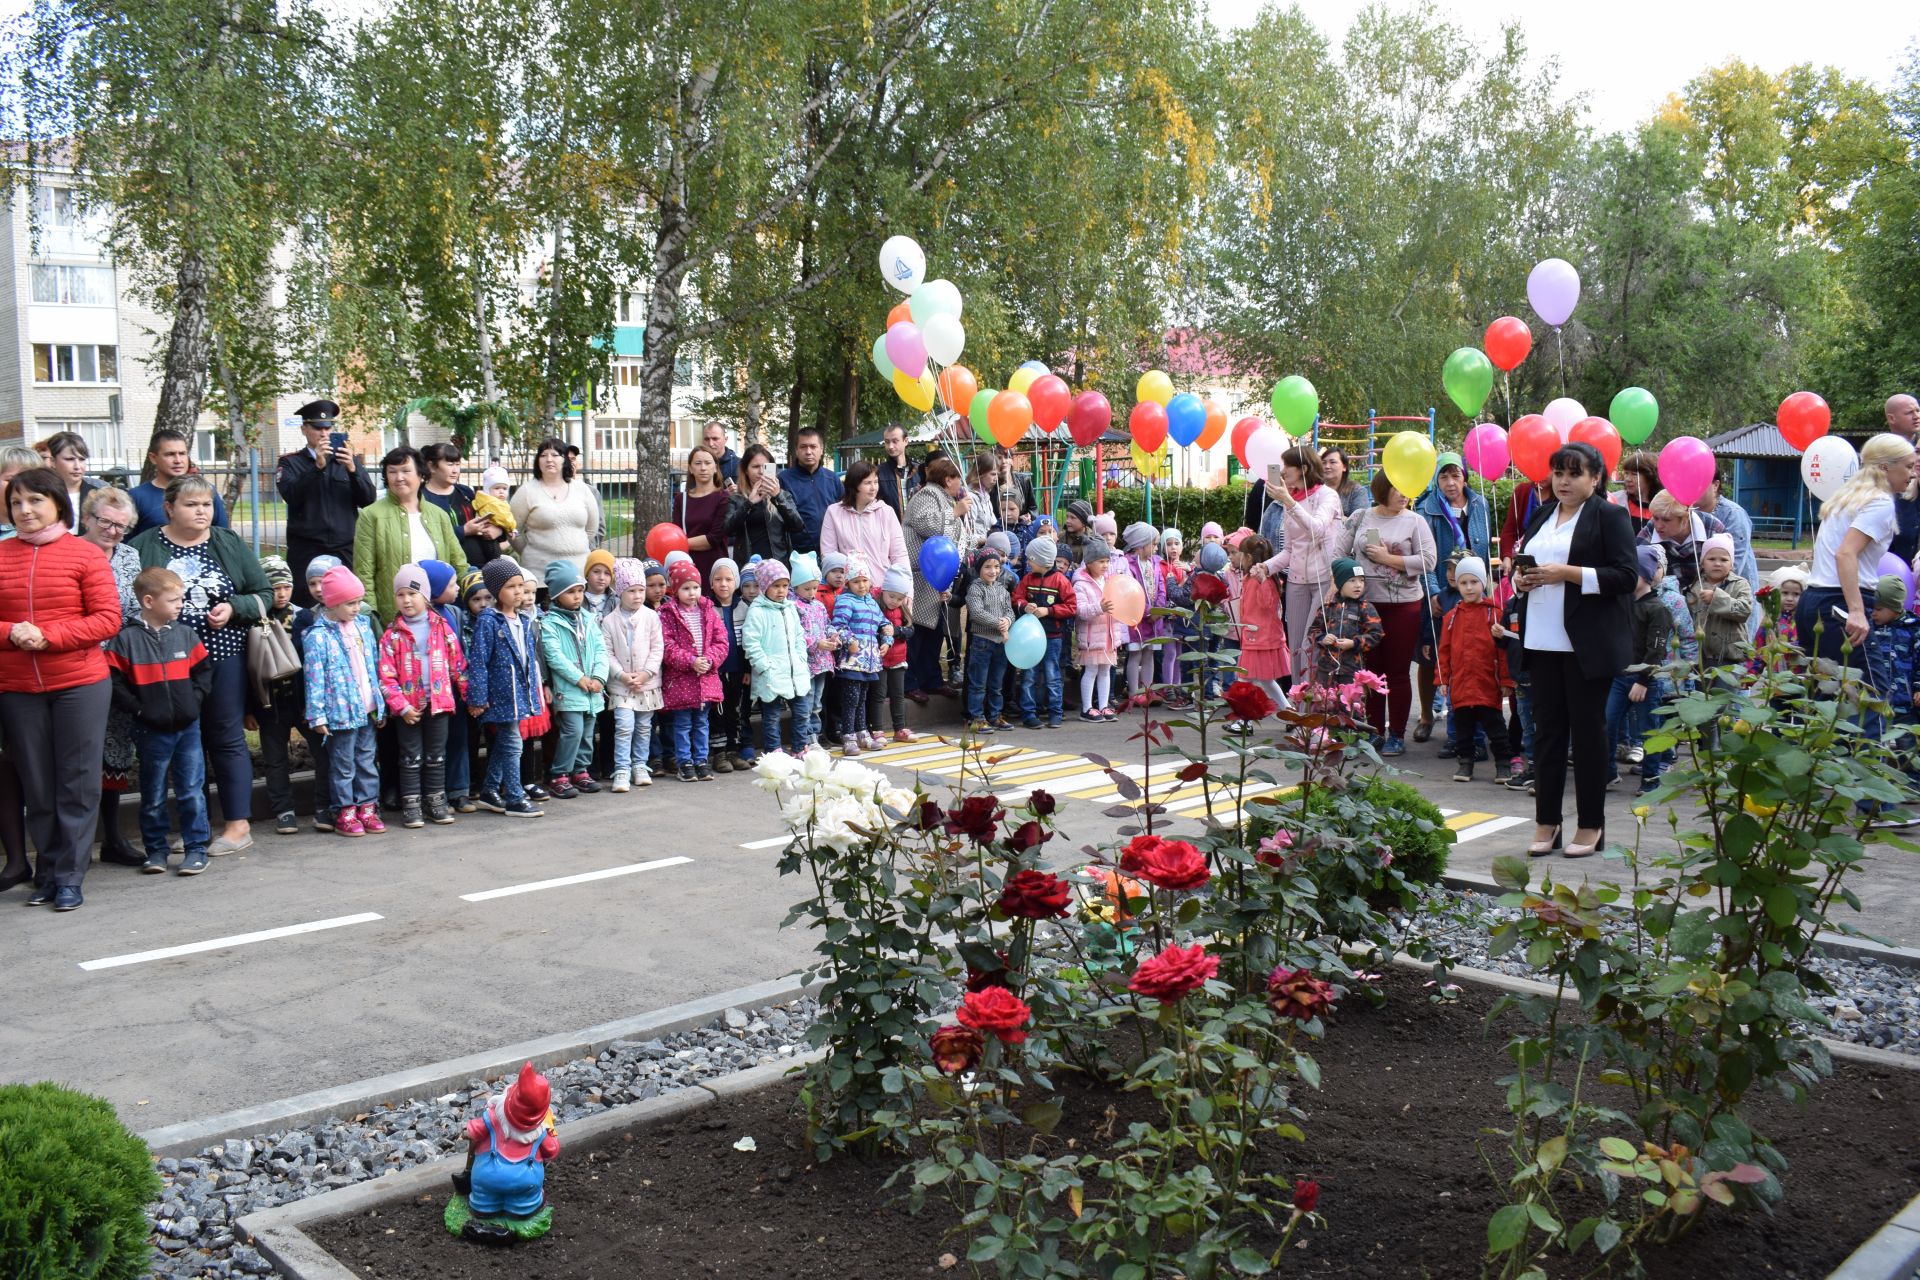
(161, 675)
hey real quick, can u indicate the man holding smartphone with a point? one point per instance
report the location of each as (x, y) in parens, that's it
(324, 486)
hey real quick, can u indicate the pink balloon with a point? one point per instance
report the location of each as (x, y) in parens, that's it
(906, 348)
(1264, 448)
(1129, 601)
(1686, 468)
(1562, 413)
(1486, 450)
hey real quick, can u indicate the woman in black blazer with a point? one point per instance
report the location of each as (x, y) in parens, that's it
(1576, 631)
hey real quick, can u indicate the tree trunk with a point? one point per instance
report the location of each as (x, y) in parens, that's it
(754, 433)
(183, 378)
(556, 278)
(241, 447)
(483, 348)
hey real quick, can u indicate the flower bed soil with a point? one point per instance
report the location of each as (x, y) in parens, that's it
(1390, 1138)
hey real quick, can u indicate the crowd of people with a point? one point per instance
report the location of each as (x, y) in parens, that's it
(445, 650)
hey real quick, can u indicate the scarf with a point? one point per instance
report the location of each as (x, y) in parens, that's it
(41, 537)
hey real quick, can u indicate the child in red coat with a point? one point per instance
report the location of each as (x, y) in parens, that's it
(1472, 666)
(693, 644)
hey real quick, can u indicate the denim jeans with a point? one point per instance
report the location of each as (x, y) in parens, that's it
(177, 754)
(690, 735)
(986, 672)
(350, 760)
(1523, 715)
(575, 749)
(503, 763)
(459, 778)
(1631, 722)
(1045, 674)
(631, 726)
(814, 702)
(770, 711)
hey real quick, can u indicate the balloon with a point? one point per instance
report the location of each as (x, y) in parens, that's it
(944, 336)
(1485, 450)
(1151, 466)
(934, 298)
(1050, 399)
(1635, 413)
(917, 392)
(1468, 378)
(1186, 418)
(1507, 342)
(1295, 404)
(1892, 566)
(1242, 432)
(1828, 463)
(901, 311)
(939, 561)
(1009, 414)
(663, 538)
(1553, 287)
(1148, 423)
(1155, 386)
(1026, 643)
(1215, 428)
(880, 361)
(957, 387)
(1408, 461)
(1804, 418)
(1264, 448)
(1601, 434)
(977, 413)
(1563, 413)
(902, 264)
(1686, 468)
(1128, 600)
(1035, 366)
(907, 349)
(1023, 378)
(1532, 441)
(1089, 418)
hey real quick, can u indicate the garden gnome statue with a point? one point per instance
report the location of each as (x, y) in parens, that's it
(501, 1195)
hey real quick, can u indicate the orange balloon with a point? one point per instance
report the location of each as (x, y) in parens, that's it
(1215, 428)
(898, 314)
(957, 385)
(1009, 416)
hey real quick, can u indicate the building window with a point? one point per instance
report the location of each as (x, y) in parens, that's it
(71, 362)
(613, 435)
(62, 225)
(626, 373)
(102, 436)
(73, 286)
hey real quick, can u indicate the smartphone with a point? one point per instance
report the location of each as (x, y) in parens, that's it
(1522, 561)
(1373, 537)
(1839, 613)
(1276, 477)
(338, 440)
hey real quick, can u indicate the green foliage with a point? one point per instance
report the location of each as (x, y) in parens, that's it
(73, 1188)
(1181, 508)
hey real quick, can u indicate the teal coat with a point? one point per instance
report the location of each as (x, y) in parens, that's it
(571, 642)
(776, 645)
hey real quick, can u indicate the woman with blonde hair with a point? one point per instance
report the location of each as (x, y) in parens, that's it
(1856, 526)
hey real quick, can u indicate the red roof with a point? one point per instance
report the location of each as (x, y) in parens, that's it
(1193, 354)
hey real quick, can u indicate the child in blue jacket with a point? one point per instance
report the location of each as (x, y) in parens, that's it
(503, 675)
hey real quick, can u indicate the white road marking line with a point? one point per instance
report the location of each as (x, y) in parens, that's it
(769, 843)
(584, 877)
(233, 940)
(1486, 829)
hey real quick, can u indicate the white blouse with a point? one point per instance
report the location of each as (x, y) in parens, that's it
(1546, 627)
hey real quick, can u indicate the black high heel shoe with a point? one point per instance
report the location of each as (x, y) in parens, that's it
(1588, 850)
(1539, 849)
(8, 881)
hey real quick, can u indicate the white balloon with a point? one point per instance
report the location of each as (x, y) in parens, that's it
(1264, 448)
(902, 263)
(944, 336)
(1563, 413)
(1828, 463)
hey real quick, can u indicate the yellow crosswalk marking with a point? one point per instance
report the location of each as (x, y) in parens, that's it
(1461, 821)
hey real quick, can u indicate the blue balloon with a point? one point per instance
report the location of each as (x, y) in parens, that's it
(939, 561)
(1212, 557)
(1038, 366)
(1186, 418)
(1026, 643)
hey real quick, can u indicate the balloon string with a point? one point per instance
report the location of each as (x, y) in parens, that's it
(1560, 346)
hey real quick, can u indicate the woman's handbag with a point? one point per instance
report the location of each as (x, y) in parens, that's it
(270, 657)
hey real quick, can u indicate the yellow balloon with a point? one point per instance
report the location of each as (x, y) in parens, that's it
(1152, 466)
(917, 392)
(1021, 380)
(1409, 460)
(1155, 386)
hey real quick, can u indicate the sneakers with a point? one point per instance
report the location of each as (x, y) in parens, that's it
(437, 812)
(523, 808)
(286, 824)
(686, 771)
(488, 800)
(703, 771)
(719, 763)
(850, 745)
(642, 779)
(537, 793)
(622, 782)
(412, 817)
(583, 782)
(1636, 754)
(370, 820)
(562, 788)
(906, 735)
(979, 726)
(348, 823)
(1029, 724)
(1463, 772)
(195, 862)
(658, 768)
(323, 821)
(465, 804)
(1393, 747)
(870, 741)
(155, 865)
(1522, 777)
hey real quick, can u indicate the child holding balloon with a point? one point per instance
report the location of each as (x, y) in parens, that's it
(1100, 634)
(989, 619)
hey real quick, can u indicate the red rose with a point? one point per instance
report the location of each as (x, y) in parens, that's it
(1040, 802)
(1306, 1194)
(928, 816)
(1173, 973)
(1297, 994)
(956, 1049)
(1137, 849)
(1035, 895)
(1209, 588)
(1248, 701)
(975, 818)
(1028, 835)
(996, 1011)
(1170, 864)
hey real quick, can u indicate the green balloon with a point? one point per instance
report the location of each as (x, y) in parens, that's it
(1634, 414)
(1295, 404)
(1468, 376)
(880, 361)
(977, 413)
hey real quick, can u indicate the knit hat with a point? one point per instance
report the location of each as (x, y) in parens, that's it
(1105, 525)
(674, 557)
(493, 476)
(439, 577)
(768, 572)
(279, 574)
(681, 572)
(599, 555)
(1471, 567)
(1041, 553)
(1171, 538)
(1890, 593)
(897, 579)
(471, 581)
(1000, 542)
(831, 560)
(986, 553)
(1139, 534)
(655, 570)
(805, 568)
(339, 586)
(563, 575)
(411, 577)
(498, 573)
(724, 562)
(1446, 460)
(1045, 522)
(1081, 508)
(1345, 570)
(1787, 573)
(1651, 562)
(496, 510)
(318, 566)
(857, 568)
(1718, 542)
(1238, 536)
(1211, 529)
(1096, 549)
(628, 573)
(1212, 557)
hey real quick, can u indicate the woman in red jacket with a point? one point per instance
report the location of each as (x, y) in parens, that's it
(58, 603)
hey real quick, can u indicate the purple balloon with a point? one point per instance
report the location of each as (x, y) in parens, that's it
(1554, 290)
(1686, 468)
(907, 349)
(1893, 565)
(1486, 450)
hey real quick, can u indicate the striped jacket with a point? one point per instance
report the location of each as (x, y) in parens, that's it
(161, 675)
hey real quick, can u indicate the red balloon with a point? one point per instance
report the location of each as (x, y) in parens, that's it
(1507, 343)
(1242, 432)
(1532, 441)
(1804, 418)
(1148, 422)
(1602, 435)
(1089, 418)
(1050, 399)
(663, 538)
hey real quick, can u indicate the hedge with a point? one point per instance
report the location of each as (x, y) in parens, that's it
(74, 1186)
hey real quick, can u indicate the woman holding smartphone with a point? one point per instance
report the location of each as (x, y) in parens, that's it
(762, 518)
(1396, 545)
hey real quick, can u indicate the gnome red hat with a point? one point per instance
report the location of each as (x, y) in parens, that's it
(527, 1100)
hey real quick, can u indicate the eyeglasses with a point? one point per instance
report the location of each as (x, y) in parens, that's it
(110, 526)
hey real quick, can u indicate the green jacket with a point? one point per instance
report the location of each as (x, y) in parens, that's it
(575, 649)
(382, 543)
(776, 645)
(251, 594)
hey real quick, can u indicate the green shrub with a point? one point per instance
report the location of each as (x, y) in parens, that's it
(1395, 815)
(74, 1185)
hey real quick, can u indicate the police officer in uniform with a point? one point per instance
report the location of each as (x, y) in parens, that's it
(324, 487)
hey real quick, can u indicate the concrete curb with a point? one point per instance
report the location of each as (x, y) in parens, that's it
(1891, 1253)
(190, 1137)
